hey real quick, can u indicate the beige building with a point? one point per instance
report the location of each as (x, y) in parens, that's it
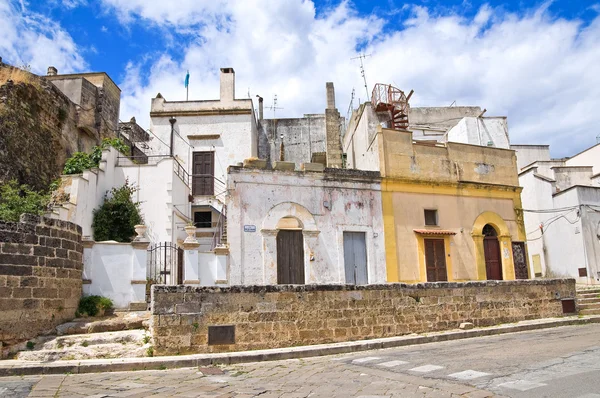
(451, 211)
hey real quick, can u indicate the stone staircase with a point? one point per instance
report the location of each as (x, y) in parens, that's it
(588, 301)
(121, 335)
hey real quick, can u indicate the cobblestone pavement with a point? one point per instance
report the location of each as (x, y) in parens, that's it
(319, 377)
(560, 362)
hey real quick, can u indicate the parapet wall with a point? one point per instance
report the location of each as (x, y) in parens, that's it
(260, 317)
(40, 276)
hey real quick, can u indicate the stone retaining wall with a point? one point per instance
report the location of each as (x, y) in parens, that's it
(284, 316)
(40, 276)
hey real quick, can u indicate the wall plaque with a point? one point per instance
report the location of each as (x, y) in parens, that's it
(221, 335)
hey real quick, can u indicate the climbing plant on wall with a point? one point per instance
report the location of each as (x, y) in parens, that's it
(81, 161)
(17, 199)
(116, 218)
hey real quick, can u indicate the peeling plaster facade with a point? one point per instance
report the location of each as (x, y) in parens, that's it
(324, 204)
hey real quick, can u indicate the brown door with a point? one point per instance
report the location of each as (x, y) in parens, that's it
(435, 260)
(493, 264)
(203, 171)
(290, 257)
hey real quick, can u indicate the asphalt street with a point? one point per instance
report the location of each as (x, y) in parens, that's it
(559, 362)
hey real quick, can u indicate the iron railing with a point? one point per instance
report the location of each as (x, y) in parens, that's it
(220, 236)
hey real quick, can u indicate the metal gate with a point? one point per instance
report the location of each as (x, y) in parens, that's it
(519, 259)
(165, 264)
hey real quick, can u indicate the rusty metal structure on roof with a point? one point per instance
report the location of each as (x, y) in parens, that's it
(387, 98)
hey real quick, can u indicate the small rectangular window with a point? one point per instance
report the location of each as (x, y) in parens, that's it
(203, 219)
(431, 217)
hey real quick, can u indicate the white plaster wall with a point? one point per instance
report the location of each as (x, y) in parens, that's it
(110, 267)
(484, 131)
(564, 239)
(589, 157)
(360, 143)
(527, 154)
(590, 198)
(567, 177)
(261, 198)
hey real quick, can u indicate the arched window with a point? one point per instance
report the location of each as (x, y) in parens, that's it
(488, 230)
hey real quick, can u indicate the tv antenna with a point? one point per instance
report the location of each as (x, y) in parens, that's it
(350, 107)
(274, 107)
(362, 70)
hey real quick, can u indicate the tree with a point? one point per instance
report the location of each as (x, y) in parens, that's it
(118, 215)
(17, 199)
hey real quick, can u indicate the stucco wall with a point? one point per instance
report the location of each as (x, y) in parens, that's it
(401, 158)
(285, 316)
(359, 143)
(301, 138)
(327, 204)
(455, 213)
(589, 157)
(163, 196)
(115, 270)
(485, 131)
(527, 154)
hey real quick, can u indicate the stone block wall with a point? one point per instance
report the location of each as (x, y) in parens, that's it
(287, 315)
(40, 276)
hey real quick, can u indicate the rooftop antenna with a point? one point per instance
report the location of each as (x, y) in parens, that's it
(274, 107)
(249, 96)
(598, 139)
(362, 70)
(350, 107)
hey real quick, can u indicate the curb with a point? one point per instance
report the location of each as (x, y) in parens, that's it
(22, 368)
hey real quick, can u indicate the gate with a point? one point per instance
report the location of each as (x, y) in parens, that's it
(165, 264)
(519, 259)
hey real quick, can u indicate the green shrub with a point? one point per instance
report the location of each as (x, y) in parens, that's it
(81, 161)
(17, 199)
(30, 345)
(77, 163)
(116, 218)
(91, 305)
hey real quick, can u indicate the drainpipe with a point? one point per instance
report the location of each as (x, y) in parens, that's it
(172, 120)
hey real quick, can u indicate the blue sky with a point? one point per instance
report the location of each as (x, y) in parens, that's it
(531, 61)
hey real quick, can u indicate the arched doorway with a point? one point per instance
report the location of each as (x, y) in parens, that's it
(491, 249)
(290, 252)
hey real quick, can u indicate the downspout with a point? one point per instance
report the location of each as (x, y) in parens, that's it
(172, 120)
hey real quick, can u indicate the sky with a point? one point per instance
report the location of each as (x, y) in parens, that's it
(535, 62)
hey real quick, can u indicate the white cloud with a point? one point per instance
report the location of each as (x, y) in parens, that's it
(538, 70)
(31, 39)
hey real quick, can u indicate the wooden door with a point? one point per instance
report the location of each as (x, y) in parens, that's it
(203, 171)
(435, 260)
(355, 258)
(493, 263)
(290, 257)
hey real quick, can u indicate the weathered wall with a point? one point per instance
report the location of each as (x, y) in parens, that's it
(301, 138)
(444, 117)
(568, 176)
(484, 131)
(40, 276)
(326, 204)
(359, 143)
(589, 157)
(38, 131)
(284, 316)
(527, 154)
(401, 158)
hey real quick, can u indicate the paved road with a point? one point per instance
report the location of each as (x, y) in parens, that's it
(561, 362)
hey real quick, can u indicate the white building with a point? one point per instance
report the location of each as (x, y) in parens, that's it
(561, 202)
(205, 137)
(323, 226)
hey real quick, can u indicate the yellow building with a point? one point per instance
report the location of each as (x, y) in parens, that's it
(452, 211)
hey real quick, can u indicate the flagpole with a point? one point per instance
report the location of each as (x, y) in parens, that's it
(187, 92)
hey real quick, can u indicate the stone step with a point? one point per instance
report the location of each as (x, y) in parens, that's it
(591, 306)
(118, 321)
(595, 290)
(590, 312)
(586, 300)
(123, 344)
(588, 295)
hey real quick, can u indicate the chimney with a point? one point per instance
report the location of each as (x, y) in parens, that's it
(227, 84)
(260, 107)
(52, 71)
(330, 95)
